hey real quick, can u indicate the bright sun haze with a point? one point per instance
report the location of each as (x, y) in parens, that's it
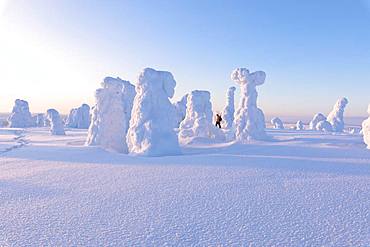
(54, 54)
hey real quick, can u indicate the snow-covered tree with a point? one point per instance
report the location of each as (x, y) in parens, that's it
(324, 125)
(316, 119)
(299, 125)
(277, 123)
(198, 119)
(79, 117)
(366, 129)
(20, 116)
(153, 118)
(229, 110)
(180, 107)
(39, 120)
(335, 117)
(249, 120)
(111, 115)
(56, 123)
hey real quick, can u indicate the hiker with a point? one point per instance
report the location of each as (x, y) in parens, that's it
(218, 120)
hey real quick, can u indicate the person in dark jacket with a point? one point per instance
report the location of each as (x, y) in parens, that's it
(218, 120)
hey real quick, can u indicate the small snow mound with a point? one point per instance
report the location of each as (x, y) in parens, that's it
(366, 129)
(56, 123)
(316, 119)
(153, 119)
(335, 117)
(249, 120)
(111, 115)
(324, 126)
(198, 119)
(20, 116)
(277, 123)
(229, 110)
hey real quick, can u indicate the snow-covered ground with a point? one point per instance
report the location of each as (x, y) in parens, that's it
(303, 188)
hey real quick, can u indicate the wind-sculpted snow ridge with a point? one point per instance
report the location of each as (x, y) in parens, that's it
(79, 118)
(277, 123)
(316, 119)
(56, 123)
(249, 119)
(180, 107)
(151, 131)
(111, 115)
(335, 117)
(20, 116)
(366, 129)
(198, 119)
(299, 125)
(324, 126)
(229, 110)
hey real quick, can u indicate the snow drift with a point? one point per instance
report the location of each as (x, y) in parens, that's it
(316, 119)
(198, 119)
(153, 118)
(335, 117)
(111, 115)
(277, 123)
(229, 110)
(56, 123)
(79, 118)
(249, 120)
(366, 129)
(20, 116)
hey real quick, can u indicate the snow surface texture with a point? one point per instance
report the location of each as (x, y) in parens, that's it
(111, 115)
(277, 123)
(56, 123)
(180, 107)
(316, 119)
(229, 110)
(198, 119)
(324, 126)
(335, 117)
(306, 189)
(79, 118)
(20, 116)
(153, 118)
(249, 120)
(366, 129)
(299, 125)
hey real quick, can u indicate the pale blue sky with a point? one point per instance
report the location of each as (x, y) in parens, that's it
(55, 53)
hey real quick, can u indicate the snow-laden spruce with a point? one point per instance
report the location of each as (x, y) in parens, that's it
(56, 123)
(21, 116)
(277, 123)
(316, 119)
(324, 125)
(111, 115)
(299, 125)
(249, 119)
(335, 117)
(153, 118)
(180, 107)
(366, 129)
(229, 110)
(198, 119)
(79, 118)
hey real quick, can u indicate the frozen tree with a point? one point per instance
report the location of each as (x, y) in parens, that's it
(180, 107)
(299, 125)
(79, 117)
(324, 125)
(21, 116)
(198, 119)
(111, 115)
(249, 120)
(153, 118)
(335, 117)
(56, 123)
(366, 129)
(316, 119)
(229, 110)
(277, 123)
(40, 120)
